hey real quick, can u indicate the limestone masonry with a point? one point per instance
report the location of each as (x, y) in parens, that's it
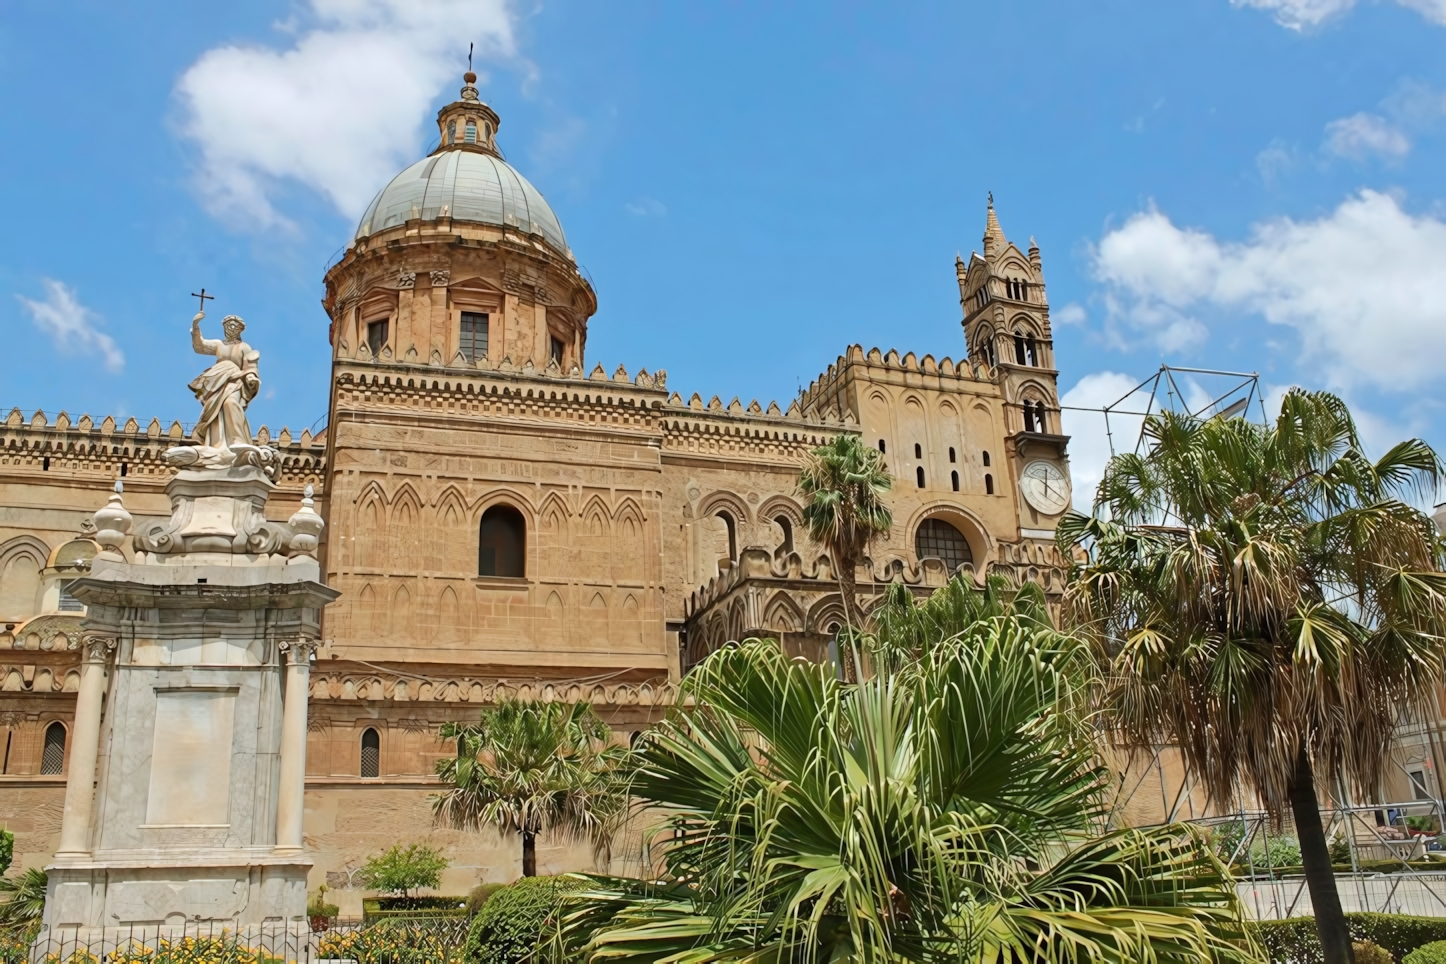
(502, 515)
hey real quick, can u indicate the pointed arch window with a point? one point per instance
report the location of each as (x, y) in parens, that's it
(502, 541)
(732, 528)
(371, 753)
(451, 132)
(786, 525)
(52, 757)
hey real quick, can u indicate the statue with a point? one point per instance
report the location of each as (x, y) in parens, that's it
(223, 437)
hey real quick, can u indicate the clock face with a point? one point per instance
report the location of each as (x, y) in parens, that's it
(1045, 486)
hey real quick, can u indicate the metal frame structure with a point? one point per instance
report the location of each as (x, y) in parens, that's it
(1167, 395)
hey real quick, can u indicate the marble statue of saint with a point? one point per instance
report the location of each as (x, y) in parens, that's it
(224, 390)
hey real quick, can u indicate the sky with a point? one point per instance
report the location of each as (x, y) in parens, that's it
(1250, 185)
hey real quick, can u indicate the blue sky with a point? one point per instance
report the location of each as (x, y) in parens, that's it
(1257, 185)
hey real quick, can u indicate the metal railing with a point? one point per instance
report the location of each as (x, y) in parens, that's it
(396, 940)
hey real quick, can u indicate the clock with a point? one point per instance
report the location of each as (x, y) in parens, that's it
(1045, 487)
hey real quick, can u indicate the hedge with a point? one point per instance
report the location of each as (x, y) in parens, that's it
(382, 908)
(511, 924)
(1294, 941)
(1432, 953)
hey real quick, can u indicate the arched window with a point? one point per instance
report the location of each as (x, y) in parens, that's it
(1019, 349)
(954, 481)
(471, 136)
(918, 451)
(938, 539)
(52, 758)
(988, 484)
(633, 740)
(919, 474)
(451, 132)
(951, 453)
(371, 753)
(732, 534)
(787, 527)
(1029, 352)
(986, 460)
(882, 450)
(486, 130)
(502, 542)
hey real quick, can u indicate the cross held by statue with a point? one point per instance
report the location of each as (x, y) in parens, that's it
(204, 298)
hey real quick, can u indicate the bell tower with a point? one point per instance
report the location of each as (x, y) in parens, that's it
(1008, 335)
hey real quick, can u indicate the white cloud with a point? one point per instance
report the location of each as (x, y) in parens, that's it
(71, 325)
(646, 207)
(1361, 136)
(339, 111)
(1089, 435)
(1304, 14)
(1299, 14)
(1362, 286)
(1276, 160)
(1070, 314)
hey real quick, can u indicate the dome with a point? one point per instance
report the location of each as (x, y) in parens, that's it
(466, 185)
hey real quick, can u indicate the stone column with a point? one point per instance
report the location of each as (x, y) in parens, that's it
(84, 747)
(291, 797)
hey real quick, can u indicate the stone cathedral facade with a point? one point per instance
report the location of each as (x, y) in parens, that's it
(504, 514)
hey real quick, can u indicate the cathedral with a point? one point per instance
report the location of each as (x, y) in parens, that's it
(506, 516)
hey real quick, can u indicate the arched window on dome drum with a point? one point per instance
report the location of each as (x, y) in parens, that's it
(502, 542)
(938, 539)
(371, 753)
(471, 132)
(451, 132)
(52, 757)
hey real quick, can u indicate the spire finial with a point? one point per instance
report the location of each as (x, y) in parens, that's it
(991, 193)
(993, 233)
(469, 78)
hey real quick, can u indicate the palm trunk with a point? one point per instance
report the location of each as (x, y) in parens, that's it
(1320, 877)
(847, 587)
(529, 854)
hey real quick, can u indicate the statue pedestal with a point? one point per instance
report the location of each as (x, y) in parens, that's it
(199, 761)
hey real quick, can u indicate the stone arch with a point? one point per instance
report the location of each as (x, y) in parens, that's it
(629, 557)
(596, 517)
(721, 499)
(595, 620)
(783, 615)
(403, 528)
(449, 614)
(21, 560)
(448, 552)
(518, 502)
(827, 611)
(631, 617)
(371, 536)
(737, 620)
(778, 509)
(401, 611)
(982, 546)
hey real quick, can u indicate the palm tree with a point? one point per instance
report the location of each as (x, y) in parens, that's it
(533, 768)
(843, 485)
(940, 811)
(1262, 597)
(22, 899)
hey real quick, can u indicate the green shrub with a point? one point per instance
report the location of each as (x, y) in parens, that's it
(516, 918)
(1294, 941)
(401, 870)
(1367, 953)
(479, 896)
(1432, 953)
(7, 850)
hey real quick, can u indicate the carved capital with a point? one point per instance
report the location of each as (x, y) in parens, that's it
(96, 647)
(440, 279)
(406, 279)
(298, 651)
